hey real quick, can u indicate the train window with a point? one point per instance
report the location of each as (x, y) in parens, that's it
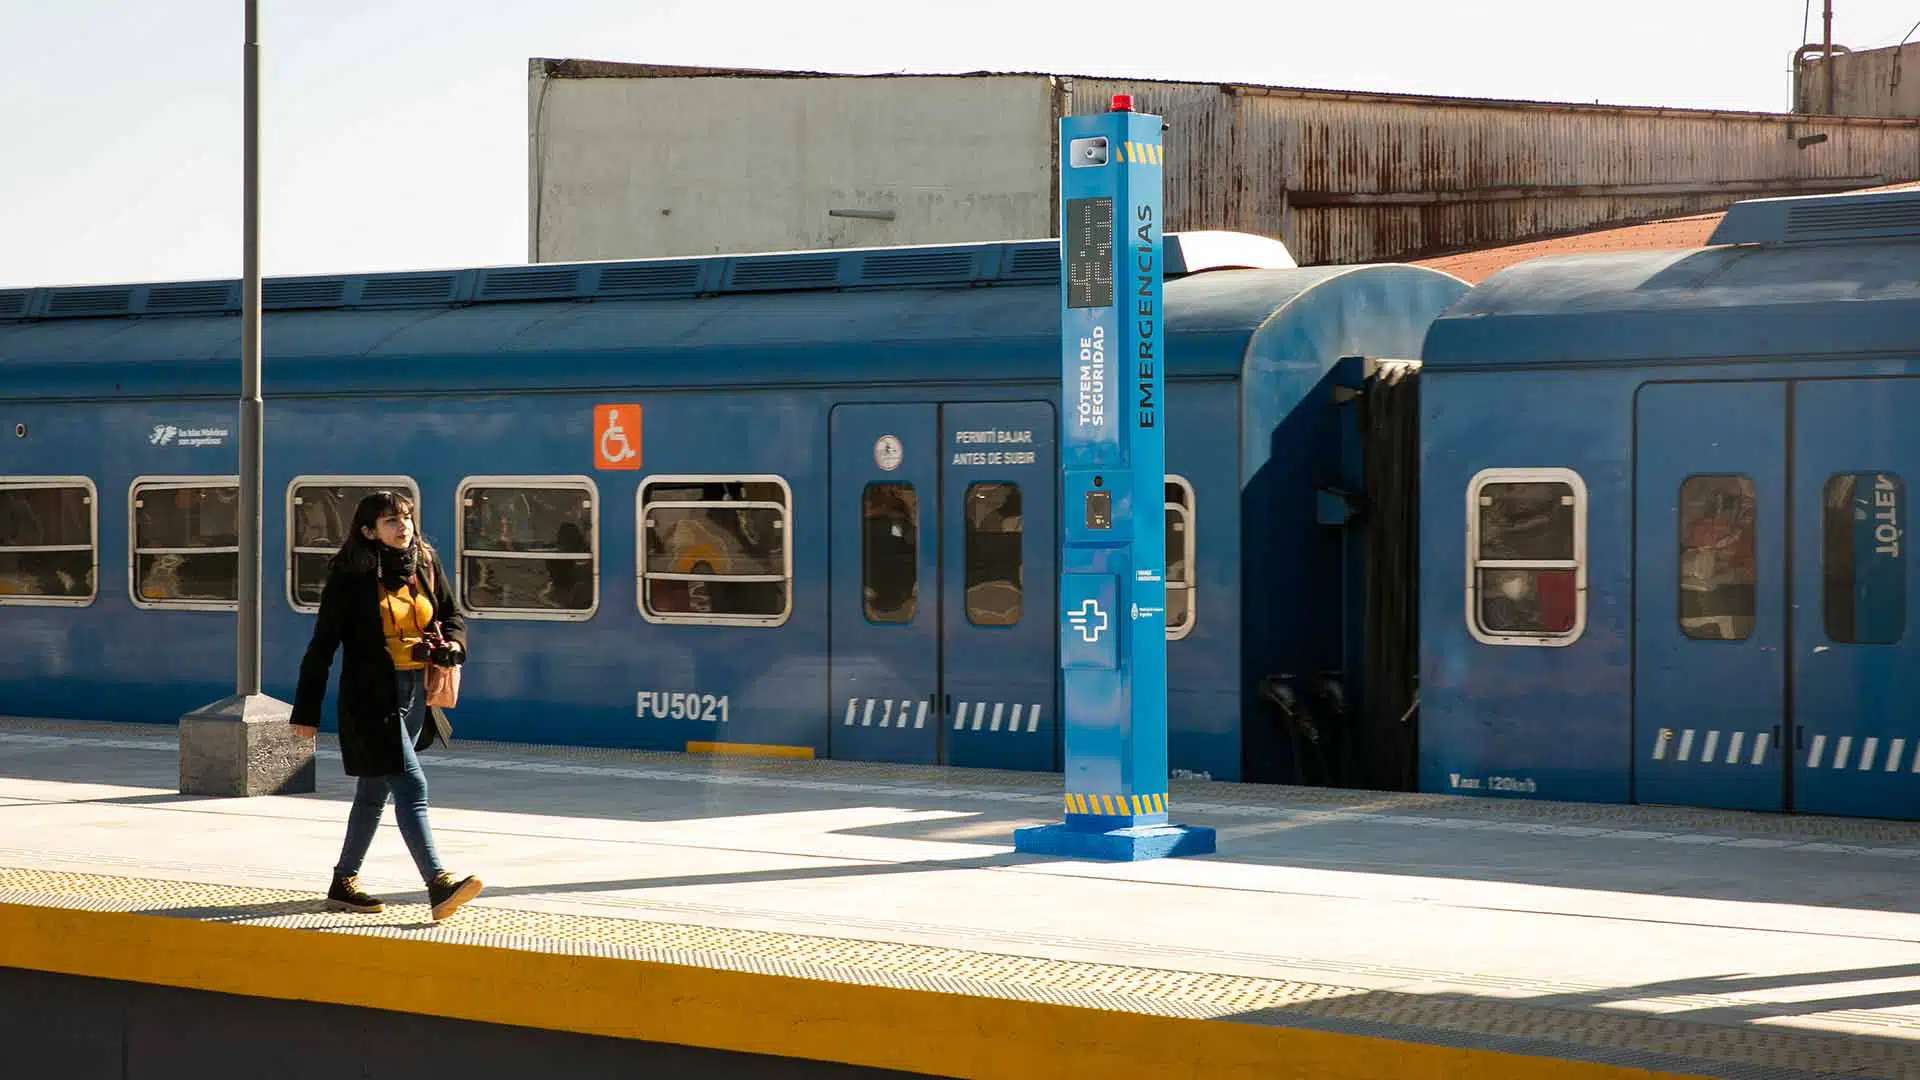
(1864, 558)
(529, 547)
(319, 512)
(995, 568)
(48, 547)
(186, 542)
(1717, 568)
(890, 552)
(1526, 556)
(715, 550)
(1180, 568)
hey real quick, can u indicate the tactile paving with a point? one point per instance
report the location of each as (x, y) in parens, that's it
(1749, 1051)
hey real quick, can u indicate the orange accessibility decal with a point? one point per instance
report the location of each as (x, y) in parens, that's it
(616, 436)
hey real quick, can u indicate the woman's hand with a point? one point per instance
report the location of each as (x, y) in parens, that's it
(304, 731)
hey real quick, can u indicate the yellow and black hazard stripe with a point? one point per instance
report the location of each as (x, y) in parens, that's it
(1142, 153)
(1116, 805)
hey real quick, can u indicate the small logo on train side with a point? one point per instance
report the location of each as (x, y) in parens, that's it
(170, 435)
(887, 453)
(616, 436)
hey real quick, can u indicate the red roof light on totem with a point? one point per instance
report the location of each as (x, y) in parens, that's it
(1122, 103)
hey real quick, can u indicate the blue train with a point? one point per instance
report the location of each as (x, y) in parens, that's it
(791, 503)
(1665, 508)
(1616, 528)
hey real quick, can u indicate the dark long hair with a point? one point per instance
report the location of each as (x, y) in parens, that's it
(360, 555)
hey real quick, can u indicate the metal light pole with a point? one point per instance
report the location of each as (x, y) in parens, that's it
(247, 671)
(242, 745)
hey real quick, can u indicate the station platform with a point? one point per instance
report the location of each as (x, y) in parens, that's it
(876, 920)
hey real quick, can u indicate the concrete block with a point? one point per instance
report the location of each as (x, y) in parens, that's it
(243, 746)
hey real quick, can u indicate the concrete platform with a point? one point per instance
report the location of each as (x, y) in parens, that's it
(878, 916)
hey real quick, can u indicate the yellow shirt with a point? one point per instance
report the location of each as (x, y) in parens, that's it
(405, 614)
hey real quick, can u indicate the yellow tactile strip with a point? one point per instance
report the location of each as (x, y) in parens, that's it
(1626, 1038)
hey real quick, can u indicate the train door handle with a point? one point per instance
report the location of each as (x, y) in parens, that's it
(1776, 736)
(947, 709)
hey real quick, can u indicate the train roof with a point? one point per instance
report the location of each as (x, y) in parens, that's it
(1797, 277)
(1690, 232)
(968, 313)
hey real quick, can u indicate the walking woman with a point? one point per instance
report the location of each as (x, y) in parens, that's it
(389, 609)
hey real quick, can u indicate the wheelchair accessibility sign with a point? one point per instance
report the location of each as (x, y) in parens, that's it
(616, 436)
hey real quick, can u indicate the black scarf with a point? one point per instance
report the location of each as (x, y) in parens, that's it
(397, 567)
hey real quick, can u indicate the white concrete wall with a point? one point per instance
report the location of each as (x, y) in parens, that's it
(639, 167)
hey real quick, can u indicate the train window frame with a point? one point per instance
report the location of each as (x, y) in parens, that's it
(293, 552)
(1827, 581)
(866, 555)
(173, 482)
(1681, 523)
(1189, 513)
(585, 485)
(968, 535)
(640, 572)
(1578, 564)
(18, 483)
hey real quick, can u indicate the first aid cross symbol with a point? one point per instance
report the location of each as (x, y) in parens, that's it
(1089, 620)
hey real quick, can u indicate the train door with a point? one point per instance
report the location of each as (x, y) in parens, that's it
(1856, 666)
(943, 538)
(1710, 591)
(885, 607)
(998, 576)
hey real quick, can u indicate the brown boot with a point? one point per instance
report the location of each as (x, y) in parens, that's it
(448, 896)
(345, 895)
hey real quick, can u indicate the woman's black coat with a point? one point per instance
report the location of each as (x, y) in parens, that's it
(369, 700)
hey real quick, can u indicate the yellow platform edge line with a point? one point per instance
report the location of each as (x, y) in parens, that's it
(913, 1030)
(737, 749)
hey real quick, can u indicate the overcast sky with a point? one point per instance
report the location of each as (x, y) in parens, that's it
(397, 129)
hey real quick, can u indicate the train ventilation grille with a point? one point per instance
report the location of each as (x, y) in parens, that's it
(1035, 262)
(652, 279)
(324, 292)
(436, 288)
(895, 268)
(189, 297)
(775, 273)
(13, 304)
(1847, 221)
(1867, 215)
(90, 302)
(513, 284)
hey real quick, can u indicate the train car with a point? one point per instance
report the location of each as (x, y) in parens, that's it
(1664, 509)
(799, 503)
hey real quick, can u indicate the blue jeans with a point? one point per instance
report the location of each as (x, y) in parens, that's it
(408, 788)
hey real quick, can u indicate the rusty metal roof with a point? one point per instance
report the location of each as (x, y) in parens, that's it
(1669, 234)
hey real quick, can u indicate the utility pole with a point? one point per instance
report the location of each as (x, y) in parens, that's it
(1827, 52)
(243, 745)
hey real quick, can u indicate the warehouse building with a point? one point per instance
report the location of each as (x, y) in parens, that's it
(631, 160)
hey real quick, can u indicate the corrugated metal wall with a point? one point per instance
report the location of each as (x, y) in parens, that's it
(1358, 178)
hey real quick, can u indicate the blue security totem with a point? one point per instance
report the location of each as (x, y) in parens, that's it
(1113, 646)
